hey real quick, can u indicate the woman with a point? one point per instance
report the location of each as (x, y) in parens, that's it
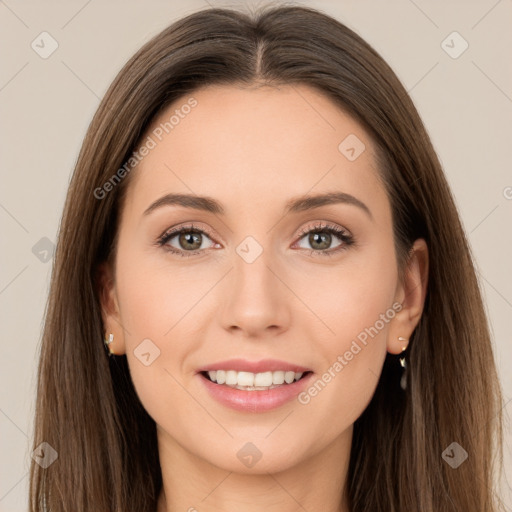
(260, 233)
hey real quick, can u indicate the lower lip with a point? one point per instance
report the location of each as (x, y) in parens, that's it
(255, 401)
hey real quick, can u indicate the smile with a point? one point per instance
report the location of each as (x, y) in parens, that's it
(254, 387)
(248, 381)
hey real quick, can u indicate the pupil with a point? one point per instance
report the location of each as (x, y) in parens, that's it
(188, 238)
(317, 238)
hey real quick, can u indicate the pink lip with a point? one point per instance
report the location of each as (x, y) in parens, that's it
(254, 401)
(265, 365)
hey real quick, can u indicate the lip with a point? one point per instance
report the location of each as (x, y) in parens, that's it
(254, 401)
(265, 365)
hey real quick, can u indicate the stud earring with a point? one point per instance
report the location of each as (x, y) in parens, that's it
(403, 363)
(107, 344)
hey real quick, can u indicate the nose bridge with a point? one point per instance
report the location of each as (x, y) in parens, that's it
(252, 275)
(255, 300)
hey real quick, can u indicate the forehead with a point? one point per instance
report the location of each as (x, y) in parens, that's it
(256, 146)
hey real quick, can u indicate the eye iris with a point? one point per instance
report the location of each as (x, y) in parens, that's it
(317, 237)
(189, 238)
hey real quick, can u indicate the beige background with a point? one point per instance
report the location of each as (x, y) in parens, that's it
(47, 104)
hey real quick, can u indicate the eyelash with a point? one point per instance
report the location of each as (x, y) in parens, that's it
(342, 234)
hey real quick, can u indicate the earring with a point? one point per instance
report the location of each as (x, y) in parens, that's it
(403, 363)
(108, 342)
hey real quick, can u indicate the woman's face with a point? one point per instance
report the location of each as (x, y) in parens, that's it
(247, 289)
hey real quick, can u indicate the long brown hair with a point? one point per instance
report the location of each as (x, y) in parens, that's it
(87, 408)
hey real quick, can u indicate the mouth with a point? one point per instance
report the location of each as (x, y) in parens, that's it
(248, 381)
(270, 385)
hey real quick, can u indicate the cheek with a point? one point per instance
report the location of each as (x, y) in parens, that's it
(356, 303)
(353, 295)
(155, 296)
(155, 350)
(354, 357)
(153, 307)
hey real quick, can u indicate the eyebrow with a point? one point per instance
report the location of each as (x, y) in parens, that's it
(294, 205)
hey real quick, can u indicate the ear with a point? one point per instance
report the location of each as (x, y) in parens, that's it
(110, 308)
(410, 293)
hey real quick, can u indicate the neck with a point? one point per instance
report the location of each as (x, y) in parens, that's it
(193, 484)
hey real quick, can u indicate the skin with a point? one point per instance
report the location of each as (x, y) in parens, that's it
(253, 149)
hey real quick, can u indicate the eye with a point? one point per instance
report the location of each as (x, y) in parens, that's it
(320, 238)
(189, 240)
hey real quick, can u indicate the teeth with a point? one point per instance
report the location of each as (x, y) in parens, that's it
(289, 377)
(278, 377)
(231, 378)
(244, 380)
(263, 379)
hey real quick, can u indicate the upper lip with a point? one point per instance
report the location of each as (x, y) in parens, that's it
(265, 365)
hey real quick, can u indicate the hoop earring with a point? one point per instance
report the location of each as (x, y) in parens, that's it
(403, 363)
(107, 343)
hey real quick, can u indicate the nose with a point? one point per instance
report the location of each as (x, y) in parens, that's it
(258, 301)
